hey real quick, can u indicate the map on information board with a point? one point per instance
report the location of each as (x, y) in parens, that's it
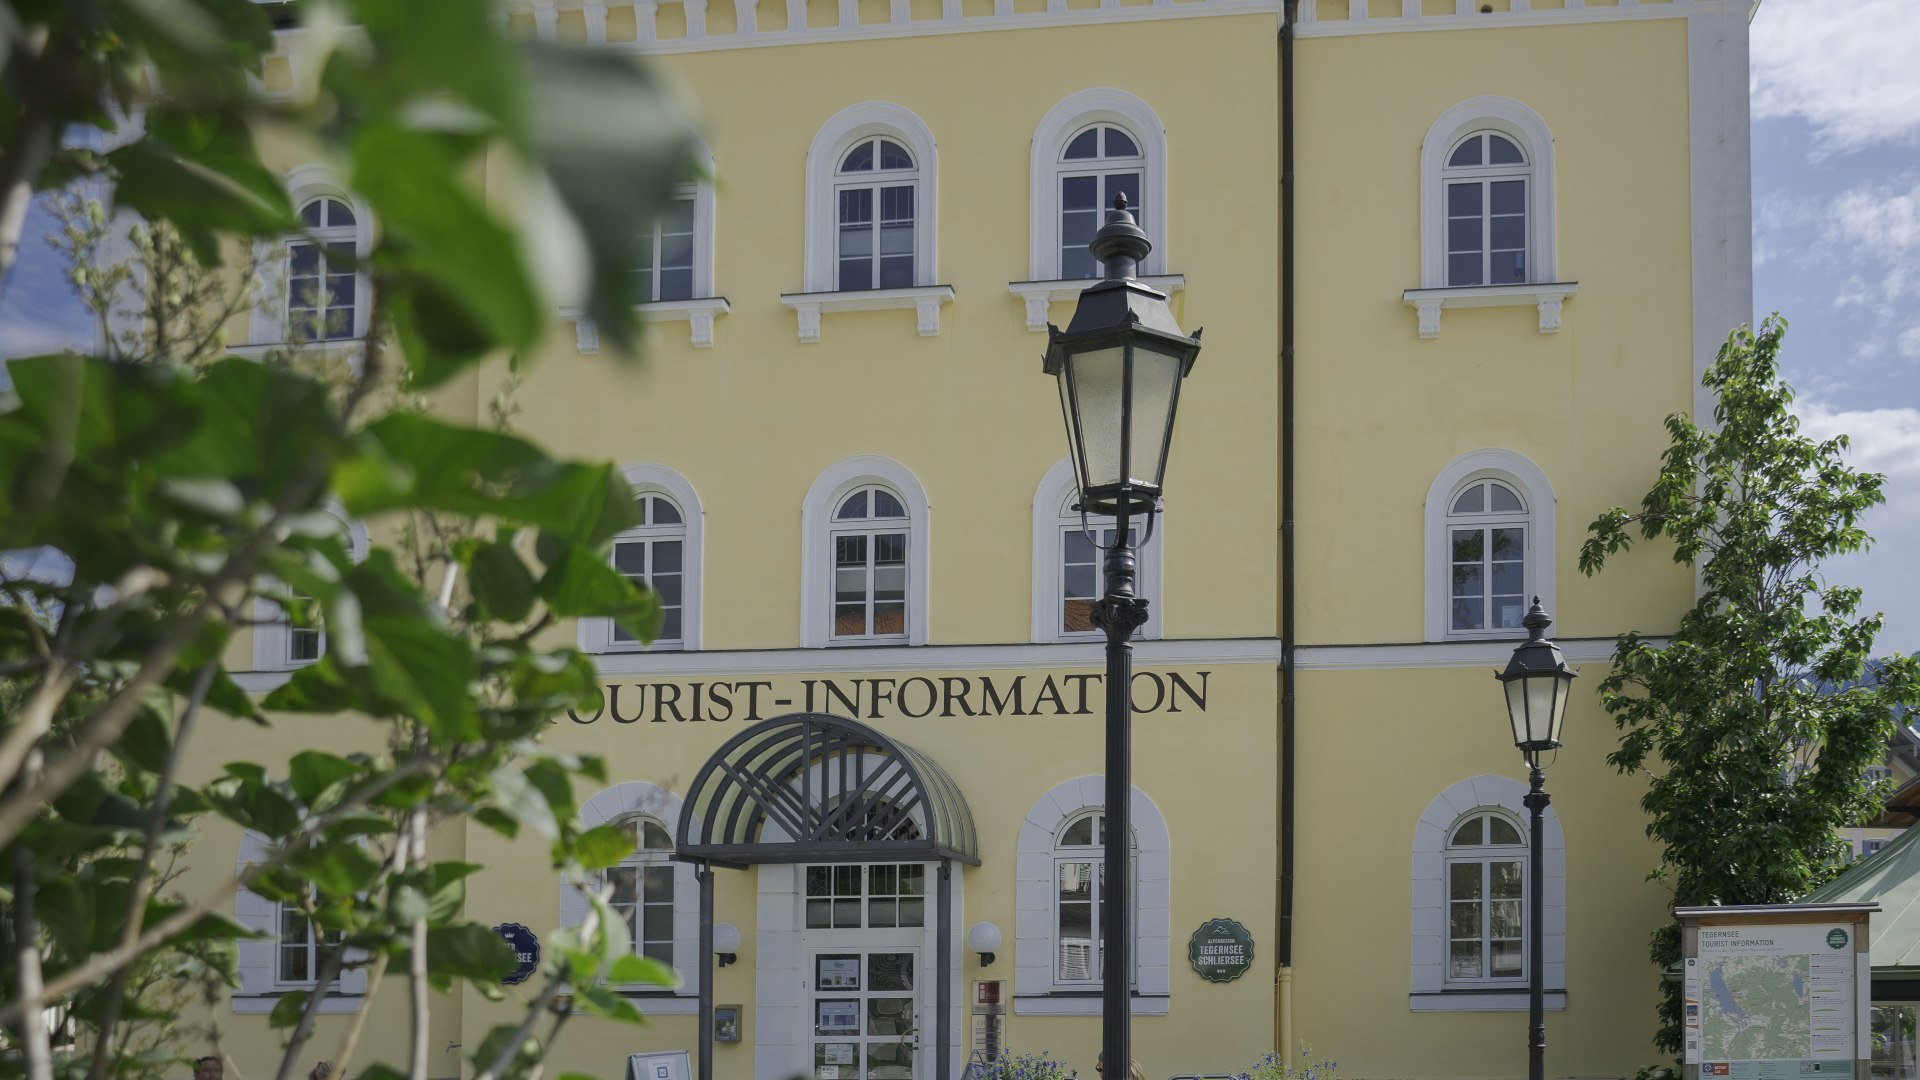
(1772, 1000)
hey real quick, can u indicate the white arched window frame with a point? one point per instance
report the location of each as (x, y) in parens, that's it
(817, 546)
(822, 290)
(270, 323)
(675, 279)
(284, 959)
(1043, 848)
(1529, 483)
(1056, 529)
(638, 801)
(1541, 286)
(1433, 987)
(278, 645)
(637, 549)
(1072, 117)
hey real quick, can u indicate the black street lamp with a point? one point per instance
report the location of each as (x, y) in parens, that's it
(1119, 365)
(1537, 681)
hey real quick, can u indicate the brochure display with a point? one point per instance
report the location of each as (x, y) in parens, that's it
(1776, 992)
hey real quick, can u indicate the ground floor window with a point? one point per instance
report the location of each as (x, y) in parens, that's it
(1896, 1049)
(866, 896)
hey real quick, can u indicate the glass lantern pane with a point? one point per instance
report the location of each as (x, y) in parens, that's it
(1098, 379)
(1156, 379)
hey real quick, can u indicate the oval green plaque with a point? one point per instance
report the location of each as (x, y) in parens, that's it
(1221, 950)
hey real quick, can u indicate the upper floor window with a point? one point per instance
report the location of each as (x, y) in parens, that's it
(642, 889)
(1088, 148)
(295, 636)
(1069, 562)
(322, 273)
(1099, 162)
(1487, 197)
(654, 555)
(1487, 545)
(284, 950)
(875, 195)
(870, 529)
(1486, 178)
(1486, 862)
(666, 271)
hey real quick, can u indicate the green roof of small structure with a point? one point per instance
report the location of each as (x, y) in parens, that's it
(1889, 877)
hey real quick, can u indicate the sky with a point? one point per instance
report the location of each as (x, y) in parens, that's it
(1836, 186)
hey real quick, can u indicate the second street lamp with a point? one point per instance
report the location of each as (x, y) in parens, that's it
(1119, 365)
(1537, 681)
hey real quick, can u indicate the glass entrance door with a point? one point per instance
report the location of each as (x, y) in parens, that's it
(864, 1005)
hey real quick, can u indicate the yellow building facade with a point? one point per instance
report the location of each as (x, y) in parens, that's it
(1517, 231)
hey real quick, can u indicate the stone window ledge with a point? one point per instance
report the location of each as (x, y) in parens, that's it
(1087, 1003)
(1040, 294)
(1545, 296)
(1500, 999)
(352, 350)
(925, 300)
(698, 314)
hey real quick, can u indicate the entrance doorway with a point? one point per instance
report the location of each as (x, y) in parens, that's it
(865, 1013)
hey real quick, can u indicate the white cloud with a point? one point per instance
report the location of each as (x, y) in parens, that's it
(1887, 441)
(1845, 66)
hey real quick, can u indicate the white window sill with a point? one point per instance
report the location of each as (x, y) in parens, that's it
(1087, 1003)
(925, 300)
(1546, 297)
(1489, 1000)
(262, 1004)
(352, 350)
(1039, 294)
(698, 314)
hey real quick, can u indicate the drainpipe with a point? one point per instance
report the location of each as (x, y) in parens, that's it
(1284, 931)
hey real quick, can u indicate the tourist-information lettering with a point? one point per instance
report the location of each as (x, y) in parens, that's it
(1221, 950)
(1771, 1001)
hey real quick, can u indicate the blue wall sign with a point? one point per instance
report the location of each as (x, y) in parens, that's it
(526, 951)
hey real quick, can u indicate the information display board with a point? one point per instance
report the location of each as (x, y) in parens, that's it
(1775, 993)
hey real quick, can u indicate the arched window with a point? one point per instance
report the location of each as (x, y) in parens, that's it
(1099, 162)
(287, 953)
(1487, 558)
(323, 296)
(1068, 563)
(1062, 878)
(1089, 147)
(1486, 899)
(865, 528)
(641, 888)
(1470, 902)
(874, 190)
(1486, 179)
(870, 528)
(663, 552)
(1490, 545)
(667, 253)
(285, 638)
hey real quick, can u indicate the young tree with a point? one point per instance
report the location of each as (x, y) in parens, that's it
(165, 491)
(1751, 763)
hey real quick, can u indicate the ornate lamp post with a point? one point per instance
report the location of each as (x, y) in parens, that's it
(1537, 681)
(1119, 365)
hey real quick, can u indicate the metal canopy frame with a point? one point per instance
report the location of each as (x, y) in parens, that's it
(840, 792)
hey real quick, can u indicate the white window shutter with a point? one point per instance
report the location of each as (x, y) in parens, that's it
(255, 956)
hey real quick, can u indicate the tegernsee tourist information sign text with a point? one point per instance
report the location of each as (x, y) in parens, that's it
(1775, 991)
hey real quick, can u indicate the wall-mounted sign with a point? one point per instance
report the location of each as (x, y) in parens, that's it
(989, 1020)
(1221, 950)
(526, 951)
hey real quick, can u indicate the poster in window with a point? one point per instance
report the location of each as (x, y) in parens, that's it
(836, 1017)
(837, 1053)
(837, 973)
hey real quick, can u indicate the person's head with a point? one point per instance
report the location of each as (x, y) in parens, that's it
(208, 1068)
(1134, 1073)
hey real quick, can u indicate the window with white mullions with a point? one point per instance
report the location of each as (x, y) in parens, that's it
(1080, 879)
(1080, 571)
(1486, 899)
(321, 286)
(653, 554)
(877, 896)
(306, 639)
(1098, 163)
(642, 889)
(1486, 178)
(298, 951)
(869, 533)
(1487, 550)
(667, 256)
(875, 192)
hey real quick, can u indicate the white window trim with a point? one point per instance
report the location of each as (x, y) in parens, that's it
(1531, 482)
(1098, 105)
(267, 322)
(830, 144)
(258, 957)
(638, 798)
(273, 631)
(1517, 121)
(1481, 856)
(1054, 489)
(1038, 296)
(816, 570)
(1428, 989)
(595, 634)
(925, 300)
(1035, 990)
